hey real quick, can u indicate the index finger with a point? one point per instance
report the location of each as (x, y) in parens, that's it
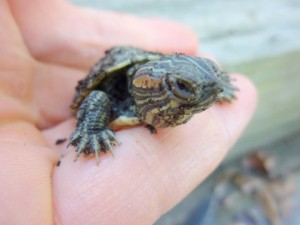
(73, 36)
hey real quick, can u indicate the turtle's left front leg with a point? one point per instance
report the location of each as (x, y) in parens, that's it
(92, 134)
(229, 91)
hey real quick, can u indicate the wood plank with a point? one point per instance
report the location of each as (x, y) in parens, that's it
(278, 112)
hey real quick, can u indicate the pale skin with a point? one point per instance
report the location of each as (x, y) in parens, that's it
(46, 47)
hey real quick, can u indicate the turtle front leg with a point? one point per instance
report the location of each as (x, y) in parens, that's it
(92, 134)
(228, 93)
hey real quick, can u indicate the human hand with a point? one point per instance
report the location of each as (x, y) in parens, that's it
(46, 47)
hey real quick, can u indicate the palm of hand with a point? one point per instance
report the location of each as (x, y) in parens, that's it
(41, 61)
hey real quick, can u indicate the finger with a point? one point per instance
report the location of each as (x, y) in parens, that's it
(149, 173)
(58, 32)
(41, 94)
(31, 91)
(25, 174)
(15, 77)
(12, 45)
(54, 88)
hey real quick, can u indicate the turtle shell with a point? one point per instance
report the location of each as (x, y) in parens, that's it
(116, 60)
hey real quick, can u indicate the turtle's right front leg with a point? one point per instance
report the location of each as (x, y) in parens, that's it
(92, 134)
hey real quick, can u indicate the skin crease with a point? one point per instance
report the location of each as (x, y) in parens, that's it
(42, 56)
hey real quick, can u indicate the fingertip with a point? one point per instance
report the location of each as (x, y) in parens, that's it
(235, 116)
(247, 88)
(246, 99)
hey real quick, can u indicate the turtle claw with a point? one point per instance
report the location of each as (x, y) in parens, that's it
(88, 144)
(229, 92)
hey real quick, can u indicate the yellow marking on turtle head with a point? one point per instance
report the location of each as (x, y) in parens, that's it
(146, 81)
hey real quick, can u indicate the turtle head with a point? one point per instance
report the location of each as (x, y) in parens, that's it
(180, 87)
(193, 81)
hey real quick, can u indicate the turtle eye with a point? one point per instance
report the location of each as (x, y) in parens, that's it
(184, 89)
(183, 86)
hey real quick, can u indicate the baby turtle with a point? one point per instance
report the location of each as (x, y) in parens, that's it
(130, 86)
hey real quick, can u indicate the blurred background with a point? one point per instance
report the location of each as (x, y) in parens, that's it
(259, 181)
